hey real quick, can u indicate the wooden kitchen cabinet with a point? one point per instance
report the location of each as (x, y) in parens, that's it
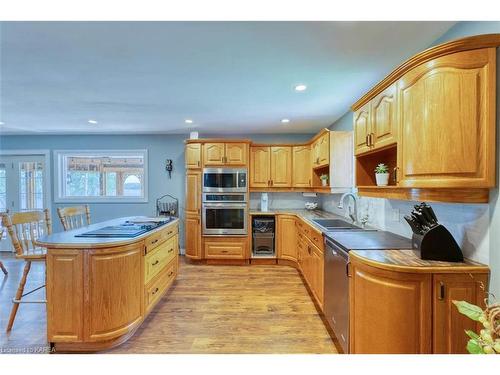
(281, 166)
(448, 324)
(214, 153)
(317, 277)
(383, 129)
(401, 304)
(193, 155)
(390, 312)
(260, 166)
(286, 242)
(321, 151)
(226, 247)
(193, 236)
(236, 153)
(193, 192)
(302, 167)
(225, 154)
(447, 121)
(362, 129)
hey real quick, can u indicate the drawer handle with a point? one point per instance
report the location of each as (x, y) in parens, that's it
(171, 273)
(172, 249)
(155, 241)
(155, 291)
(223, 251)
(155, 263)
(441, 291)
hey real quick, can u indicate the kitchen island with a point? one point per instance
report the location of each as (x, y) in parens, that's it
(100, 290)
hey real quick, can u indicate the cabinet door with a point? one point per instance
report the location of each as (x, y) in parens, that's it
(193, 192)
(260, 166)
(236, 153)
(384, 119)
(448, 324)
(193, 155)
(65, 299)
(447, 122)
(114, 300)
(315, 153)
(214, 153)
(302, 168)
(390, 312)
(286, 238)
(324, 150)
(281, 166)
(193, 236)
(318, 274)
(362, 129)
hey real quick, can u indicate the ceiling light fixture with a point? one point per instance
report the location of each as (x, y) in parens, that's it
(300, 87)
(285, 121)
(93, 122)
(188, 121)
(2, 123)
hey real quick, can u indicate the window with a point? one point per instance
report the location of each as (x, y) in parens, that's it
(102, 176)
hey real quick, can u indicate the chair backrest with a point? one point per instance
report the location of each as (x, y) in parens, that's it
(74, 217)
(25, 228)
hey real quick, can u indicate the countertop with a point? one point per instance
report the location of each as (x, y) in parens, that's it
(68, 240)
(410, 261)
(306, 215)
(401, 260)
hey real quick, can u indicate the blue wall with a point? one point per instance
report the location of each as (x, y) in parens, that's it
(160, 147)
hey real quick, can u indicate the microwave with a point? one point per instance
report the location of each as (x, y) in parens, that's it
(224, 180)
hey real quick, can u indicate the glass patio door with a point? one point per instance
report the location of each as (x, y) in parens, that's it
(22, 188)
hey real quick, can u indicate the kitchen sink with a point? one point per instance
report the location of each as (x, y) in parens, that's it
(336, 224)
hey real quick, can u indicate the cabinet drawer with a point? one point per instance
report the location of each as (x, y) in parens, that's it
(158, 238)
(225, 249)
(157, 259)
(156, 288)
(316, 238)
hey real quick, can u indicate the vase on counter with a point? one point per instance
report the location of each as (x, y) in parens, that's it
(382, 179)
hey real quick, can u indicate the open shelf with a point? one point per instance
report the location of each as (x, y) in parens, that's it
(365, 167)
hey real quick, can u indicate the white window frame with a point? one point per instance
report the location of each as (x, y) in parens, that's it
(60, 184)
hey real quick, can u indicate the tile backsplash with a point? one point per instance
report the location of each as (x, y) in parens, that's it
(283, 200)
(468, 223)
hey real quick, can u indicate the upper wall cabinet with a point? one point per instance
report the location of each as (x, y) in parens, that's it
(302, 169)
(321, 151)
(193, 155)
(432, 122)
(281, 166)
(375, 124)
(260, 166)
(447, 122)
(223, 154)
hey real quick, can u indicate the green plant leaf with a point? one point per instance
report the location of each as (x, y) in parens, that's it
(472, 335)
(471, 311)
(473, 347)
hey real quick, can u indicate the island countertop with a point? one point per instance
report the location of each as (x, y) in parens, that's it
(64, 240)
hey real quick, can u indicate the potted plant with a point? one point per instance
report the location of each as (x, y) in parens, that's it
(382, 174)
(488, 339)
(324, 179)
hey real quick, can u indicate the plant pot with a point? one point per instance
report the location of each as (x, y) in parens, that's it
(324, 182)
(382, 179)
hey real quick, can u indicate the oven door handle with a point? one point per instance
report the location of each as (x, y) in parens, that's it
(225, 205)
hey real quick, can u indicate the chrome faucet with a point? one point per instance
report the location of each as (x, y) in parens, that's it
(352, 214)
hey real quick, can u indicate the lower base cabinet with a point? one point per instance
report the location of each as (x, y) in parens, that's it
(226, 248)
(394, 312)
(193, 237)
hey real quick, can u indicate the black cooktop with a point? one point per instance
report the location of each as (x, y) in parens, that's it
(129, 229)
(369, 240)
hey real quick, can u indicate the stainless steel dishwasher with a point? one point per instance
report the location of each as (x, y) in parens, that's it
(337, 291)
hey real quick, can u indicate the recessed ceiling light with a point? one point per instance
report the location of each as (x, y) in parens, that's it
(92, 122)
(2, 123)
(188, 121)
(300, 87)
(285, 121)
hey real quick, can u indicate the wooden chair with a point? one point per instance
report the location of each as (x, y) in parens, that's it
(2, 228)
(24, 229)
(73, 217)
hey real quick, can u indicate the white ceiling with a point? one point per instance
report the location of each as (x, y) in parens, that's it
(232, 77)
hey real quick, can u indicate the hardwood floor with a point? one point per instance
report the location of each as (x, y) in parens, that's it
(210, 309)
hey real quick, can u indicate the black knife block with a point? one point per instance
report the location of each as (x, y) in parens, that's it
(437, 244)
